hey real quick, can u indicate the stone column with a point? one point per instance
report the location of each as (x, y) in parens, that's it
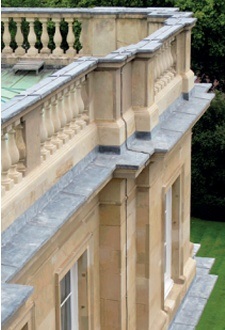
(113, 256)
(183, 56)
(32, 138)
(149, 231)
(143, 250)
(103, 34)
(107, 104)
(86, 36)
(143, 101)
(186, 245)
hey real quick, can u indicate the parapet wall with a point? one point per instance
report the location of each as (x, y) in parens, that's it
(92, 102)
(68, 33)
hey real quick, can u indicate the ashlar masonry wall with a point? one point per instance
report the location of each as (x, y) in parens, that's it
(122, 231)
(109, 210)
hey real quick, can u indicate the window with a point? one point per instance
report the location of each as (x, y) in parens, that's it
(72, 289)
(69, 300)
(168, 282)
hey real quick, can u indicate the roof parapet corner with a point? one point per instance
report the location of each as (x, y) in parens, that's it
(186, 22)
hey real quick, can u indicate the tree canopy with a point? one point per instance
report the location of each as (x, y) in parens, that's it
(208, 162)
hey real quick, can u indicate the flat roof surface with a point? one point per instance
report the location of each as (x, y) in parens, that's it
(13, 84)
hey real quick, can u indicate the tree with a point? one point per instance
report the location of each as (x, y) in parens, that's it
(208, 37)
(208, 159)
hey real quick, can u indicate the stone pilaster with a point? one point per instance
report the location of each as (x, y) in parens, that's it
(117, 255)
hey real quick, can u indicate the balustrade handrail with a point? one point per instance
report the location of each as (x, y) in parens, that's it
(169, 11)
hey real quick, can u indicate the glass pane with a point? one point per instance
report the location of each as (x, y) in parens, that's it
(66, 315)
(65, 287)
(165, 259)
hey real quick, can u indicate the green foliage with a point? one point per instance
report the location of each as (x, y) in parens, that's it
(208, 37)
(24, 3)
(208, 159)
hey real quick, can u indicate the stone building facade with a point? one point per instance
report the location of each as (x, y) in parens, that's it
(96, 172)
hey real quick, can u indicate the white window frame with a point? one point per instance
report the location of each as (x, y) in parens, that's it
(168, 282)
(66, 266)
(73, 295)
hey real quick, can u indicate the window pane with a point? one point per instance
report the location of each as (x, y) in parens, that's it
(65, 287)
(66, 315)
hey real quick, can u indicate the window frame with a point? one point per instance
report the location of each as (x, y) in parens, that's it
(66, 266)
(168, 282)
(177, 177)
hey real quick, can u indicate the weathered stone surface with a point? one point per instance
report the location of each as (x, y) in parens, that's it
(12, 298)
(195, 300)
(104, 195)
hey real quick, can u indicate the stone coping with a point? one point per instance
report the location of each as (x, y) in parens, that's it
(13, 296)
(44, 88)
(132, 156)
(30, 232)
(166, 12)
(191, 309)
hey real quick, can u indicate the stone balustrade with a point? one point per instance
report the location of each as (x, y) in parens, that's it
(92, 102)
(49, 114)
(65, 34)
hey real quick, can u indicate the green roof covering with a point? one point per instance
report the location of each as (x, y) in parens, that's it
(13, 84)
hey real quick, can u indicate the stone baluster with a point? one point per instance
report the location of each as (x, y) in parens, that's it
(165, 61)
(6, 37)
(162, 80)
(21, 167)
(80, 103)
(70, 39)
(43, 136)
(32, 38)
(14, 155)
(19, 38)
(69, 113)
(57, 38)
(45, 37)
(74, 108)
(62, 117)
(56, 123)
(157, 85)
(50, 127)
(85, 98)
(173, 53)
(7, 182)
(170, 58)
(168, 73)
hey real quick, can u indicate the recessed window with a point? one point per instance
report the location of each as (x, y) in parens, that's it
(73, 296)
(168, 282)
(69, 300)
